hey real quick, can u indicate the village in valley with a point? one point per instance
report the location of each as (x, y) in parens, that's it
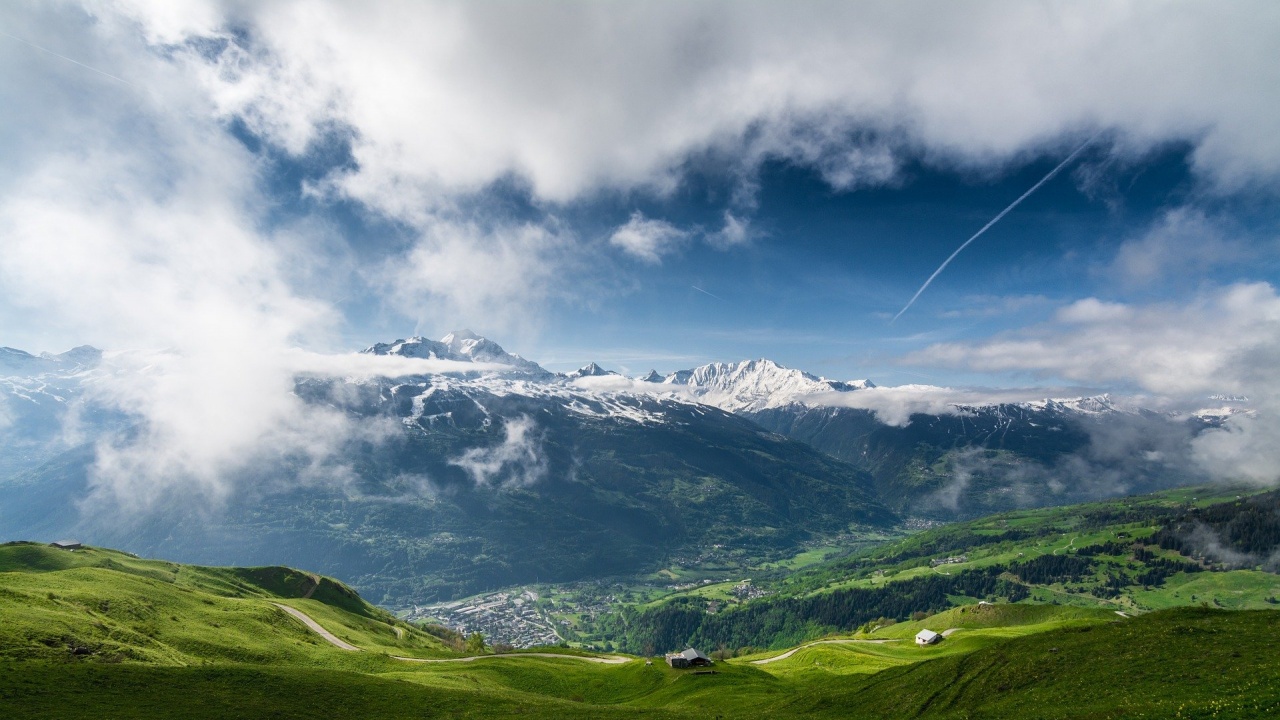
(503, 618)
(532, 616)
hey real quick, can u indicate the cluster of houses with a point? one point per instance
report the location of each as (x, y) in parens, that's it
(506, 617)
(746, 591)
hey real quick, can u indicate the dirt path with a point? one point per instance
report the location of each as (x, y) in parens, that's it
(339, 642)
(315, 627)
(315, 583)
(606, 659)
(795, 650)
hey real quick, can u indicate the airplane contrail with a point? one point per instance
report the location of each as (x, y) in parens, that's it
(64, 57)
(994, 220)
(704, 292)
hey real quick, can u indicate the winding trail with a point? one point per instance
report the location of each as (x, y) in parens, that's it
(795, 650)
(316, 628)
(339, 642)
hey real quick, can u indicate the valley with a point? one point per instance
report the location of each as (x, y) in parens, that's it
(1105, 556)
(93, 633)
(510, 475)
(516, 522)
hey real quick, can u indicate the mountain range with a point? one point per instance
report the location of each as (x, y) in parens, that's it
(512, 473)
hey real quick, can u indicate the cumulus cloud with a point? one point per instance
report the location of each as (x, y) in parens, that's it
(1219, 342)
(469, 273)
(517, 461)
(446, 97)
(895, 405)
(130, 218)
(365, 366)
(1224, 340)
(647, 239)
(439, 101)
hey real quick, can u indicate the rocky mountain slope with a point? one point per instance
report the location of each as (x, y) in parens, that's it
(512, 473)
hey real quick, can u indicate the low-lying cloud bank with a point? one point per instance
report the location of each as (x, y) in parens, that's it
(203, 422)
(1224, 340)
(894, 405)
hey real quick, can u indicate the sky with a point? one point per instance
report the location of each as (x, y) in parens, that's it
(652, 185)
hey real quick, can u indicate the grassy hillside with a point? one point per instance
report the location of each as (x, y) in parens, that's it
(109, 606)
(96, 633)
(1185, 663)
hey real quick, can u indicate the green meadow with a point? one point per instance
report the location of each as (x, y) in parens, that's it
(96, 633)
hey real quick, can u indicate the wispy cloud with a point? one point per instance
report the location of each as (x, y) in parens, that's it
(648, 239)
(518, 460)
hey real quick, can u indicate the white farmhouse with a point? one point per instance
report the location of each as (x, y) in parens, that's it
(927, 637)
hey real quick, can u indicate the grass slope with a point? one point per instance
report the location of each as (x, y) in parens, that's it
(109, 606)
(1184, 663)
(1127, 554)
(97, 633)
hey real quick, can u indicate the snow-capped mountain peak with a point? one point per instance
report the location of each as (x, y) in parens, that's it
(1093, 405)
(20, 362)
(753, 385)
(589, 370)
(463, 346)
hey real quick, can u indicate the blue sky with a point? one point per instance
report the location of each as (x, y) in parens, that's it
(823, 270)
(650, 187)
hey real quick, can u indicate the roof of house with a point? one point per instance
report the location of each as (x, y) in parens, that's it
(690, 655)
(926, 635)
(65, 543)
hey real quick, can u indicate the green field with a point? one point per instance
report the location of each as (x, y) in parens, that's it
(101, 634)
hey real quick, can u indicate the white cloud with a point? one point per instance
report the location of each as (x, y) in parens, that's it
(1225, 340)
(736, 231)
(364, 366)
(895, 405)
(445, 97)
(466, 273)
(129, 218)
(646, 239)
(517, 461)
(440, 100)
(1222, 341)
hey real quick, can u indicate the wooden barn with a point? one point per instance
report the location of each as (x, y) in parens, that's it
(688, 658)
